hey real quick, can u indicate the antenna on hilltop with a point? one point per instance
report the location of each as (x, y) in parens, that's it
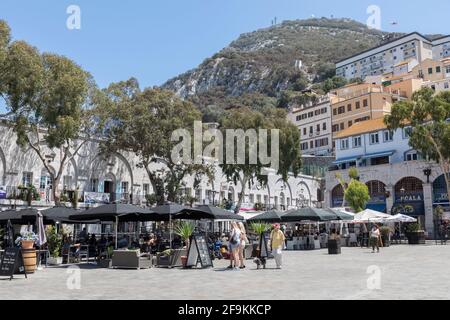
(274, 21)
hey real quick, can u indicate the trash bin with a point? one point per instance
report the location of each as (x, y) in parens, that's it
(334, 247)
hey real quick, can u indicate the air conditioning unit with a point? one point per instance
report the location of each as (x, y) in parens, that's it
(317, 133)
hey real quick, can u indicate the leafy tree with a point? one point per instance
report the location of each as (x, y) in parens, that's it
(325, 70)
(428, 116)
(142, 122)
(333, 83)
(357, 195)
(289, 147)
(353, 175)
(46, 96)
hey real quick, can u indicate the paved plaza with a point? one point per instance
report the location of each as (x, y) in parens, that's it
(407, 272)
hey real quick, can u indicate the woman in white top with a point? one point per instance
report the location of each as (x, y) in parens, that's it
(244, 242)
(235, 243)
(375, 238)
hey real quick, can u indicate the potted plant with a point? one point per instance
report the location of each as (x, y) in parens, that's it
(259, 229)
(386, 236)
(414, 234)
(54, 242)
(105, 261)
(185, 230)
(27, 240)
(164, 258)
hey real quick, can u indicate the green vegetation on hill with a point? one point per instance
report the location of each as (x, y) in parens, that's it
(263, 66)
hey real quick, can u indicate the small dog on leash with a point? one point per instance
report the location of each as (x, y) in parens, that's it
(260, 262)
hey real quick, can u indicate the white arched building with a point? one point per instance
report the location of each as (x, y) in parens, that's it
(118, 178)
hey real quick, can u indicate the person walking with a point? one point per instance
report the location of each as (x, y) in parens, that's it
(375, 236)
(244, 242)
(234, 245)
(277, 239)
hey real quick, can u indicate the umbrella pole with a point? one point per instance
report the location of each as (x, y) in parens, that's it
(170, 230)
(116, 229)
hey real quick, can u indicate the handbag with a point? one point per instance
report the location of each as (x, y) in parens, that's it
(233, 239)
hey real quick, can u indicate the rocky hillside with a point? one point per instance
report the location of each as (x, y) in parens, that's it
(291, 55)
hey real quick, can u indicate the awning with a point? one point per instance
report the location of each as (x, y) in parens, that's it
(378, 155)
(346, 160)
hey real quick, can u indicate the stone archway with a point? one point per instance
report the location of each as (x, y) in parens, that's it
(440, 194)
(377, 192)
(337, 196)
(303, 195)
(409, 197)
(282, 192)
(108, 173)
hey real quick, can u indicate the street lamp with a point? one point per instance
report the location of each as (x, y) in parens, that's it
(402, 192)
(427, 172)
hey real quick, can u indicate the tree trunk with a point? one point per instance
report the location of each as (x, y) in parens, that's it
(443, 163)
(156, 189)
(241, 195)
(55, 191)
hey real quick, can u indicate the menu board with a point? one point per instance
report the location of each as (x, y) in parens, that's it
(11, 260)
(198, 252)
(263, 240)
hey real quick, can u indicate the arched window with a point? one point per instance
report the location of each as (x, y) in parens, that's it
(337, 196)
(338, 191)
(376, 188)
(409, 185)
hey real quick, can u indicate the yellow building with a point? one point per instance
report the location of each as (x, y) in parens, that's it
(358, 102)
(432, 70)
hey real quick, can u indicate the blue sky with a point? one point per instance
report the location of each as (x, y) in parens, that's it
(155, 40)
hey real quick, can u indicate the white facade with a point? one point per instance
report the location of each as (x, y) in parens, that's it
(362, 148)
(441, 48)
(119, 179)
(439, 85)
(382, 59)
(314, 124)
(394, 173)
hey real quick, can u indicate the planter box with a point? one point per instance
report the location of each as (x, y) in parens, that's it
(105, 263)
(416, 237)
(55, 261)
(173, 260)
(334, 247)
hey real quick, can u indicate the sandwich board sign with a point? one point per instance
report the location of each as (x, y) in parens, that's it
(11, 261)
(263, 249)
(198, 253)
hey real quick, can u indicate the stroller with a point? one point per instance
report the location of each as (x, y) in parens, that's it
(216, 251)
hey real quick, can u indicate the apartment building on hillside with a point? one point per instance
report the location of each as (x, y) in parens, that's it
(356, 103)
(413, 47)
(441, 48)
(314, 123)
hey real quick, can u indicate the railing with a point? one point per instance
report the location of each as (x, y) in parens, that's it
(359, 93)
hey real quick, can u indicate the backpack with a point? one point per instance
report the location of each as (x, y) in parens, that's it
(233, 239)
